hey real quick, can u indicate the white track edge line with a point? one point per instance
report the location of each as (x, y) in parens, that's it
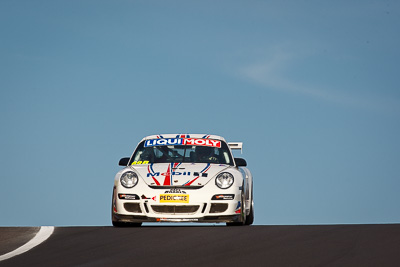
(44, 233)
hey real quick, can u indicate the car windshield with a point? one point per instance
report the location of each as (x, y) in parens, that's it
(182, 150)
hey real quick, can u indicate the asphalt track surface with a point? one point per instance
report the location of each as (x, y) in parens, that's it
(314, 245)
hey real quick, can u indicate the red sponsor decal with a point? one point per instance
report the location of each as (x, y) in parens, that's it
(167, 180)
(202, 142)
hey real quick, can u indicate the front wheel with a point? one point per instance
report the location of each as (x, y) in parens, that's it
(250, 217)
(243, 217)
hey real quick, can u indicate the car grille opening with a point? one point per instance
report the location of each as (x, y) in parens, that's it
(172, 209)
(218, 207)
(133, 207)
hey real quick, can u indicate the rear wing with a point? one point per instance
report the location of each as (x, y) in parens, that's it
(236, 145)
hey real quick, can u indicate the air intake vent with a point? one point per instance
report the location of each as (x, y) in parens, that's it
(169, 209)
(133, 207)
(218, 207)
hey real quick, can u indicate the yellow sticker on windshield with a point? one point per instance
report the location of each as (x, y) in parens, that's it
(140, 162)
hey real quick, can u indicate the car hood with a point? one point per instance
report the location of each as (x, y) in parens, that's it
(178, 174)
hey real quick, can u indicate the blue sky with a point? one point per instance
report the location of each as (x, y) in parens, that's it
(310, 87)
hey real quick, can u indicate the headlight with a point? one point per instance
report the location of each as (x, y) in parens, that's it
(129, 179)
(224, 180)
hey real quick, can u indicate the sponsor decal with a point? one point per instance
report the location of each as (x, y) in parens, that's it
(200, 174)
(140, 162)
(238, 210)
(167, 173)
(182, 141)
(128, 196)
(163, 142)
(153, 198)
(203, 174)
(223, 197)
(176, 198)
(202, 142)
(175, 191)
(170, 173)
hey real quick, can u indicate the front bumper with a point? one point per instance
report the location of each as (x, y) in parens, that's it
(201, 206)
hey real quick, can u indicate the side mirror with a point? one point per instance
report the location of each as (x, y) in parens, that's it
(123, 162)
(240, 162)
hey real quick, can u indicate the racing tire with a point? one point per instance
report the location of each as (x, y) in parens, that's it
(242, 214)
(250, 217)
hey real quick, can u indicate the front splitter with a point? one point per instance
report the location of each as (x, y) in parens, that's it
(205, 219)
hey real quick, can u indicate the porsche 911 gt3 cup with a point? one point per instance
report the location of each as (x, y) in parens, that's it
(183, 178)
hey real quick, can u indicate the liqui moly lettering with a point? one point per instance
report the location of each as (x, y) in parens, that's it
(164, 142)
(202, 142)
(183, 141)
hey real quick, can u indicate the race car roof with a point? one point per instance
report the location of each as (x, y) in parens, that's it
(203, 136)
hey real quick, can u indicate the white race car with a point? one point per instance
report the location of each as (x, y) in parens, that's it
(183, 178)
